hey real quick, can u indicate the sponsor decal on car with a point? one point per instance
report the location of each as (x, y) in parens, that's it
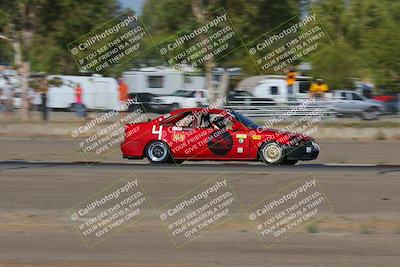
(179, 137)
(220, 142)
(241, 136)
(256, 137)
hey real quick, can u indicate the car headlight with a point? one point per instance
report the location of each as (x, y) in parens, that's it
(315, 145)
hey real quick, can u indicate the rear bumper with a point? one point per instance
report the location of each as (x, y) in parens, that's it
(308, 151)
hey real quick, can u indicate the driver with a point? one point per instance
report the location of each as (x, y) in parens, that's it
(219, 122)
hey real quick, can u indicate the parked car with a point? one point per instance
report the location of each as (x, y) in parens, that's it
(180, 99)
(352, 103)
(142, 101)
(217, 134)
(391, 102)
(244, 98)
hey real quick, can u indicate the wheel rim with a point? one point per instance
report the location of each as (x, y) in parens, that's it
(272, 153)
(157, 151)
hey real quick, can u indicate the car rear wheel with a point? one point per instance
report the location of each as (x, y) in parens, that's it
(271, 153)
(158, 152)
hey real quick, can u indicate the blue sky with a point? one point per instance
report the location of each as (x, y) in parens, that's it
(134, 4)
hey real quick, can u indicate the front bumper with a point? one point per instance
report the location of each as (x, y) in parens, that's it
(307, 151)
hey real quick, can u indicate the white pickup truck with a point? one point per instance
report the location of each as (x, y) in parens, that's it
(183, 98)
(352, 103)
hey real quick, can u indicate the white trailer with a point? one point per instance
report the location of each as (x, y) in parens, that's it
(275, 87)
(161, 81)
(99, 93)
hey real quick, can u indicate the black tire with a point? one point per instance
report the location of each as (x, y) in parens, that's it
(289, 162)
(174, 106)
(370, 114)
(158, 152)
(271, 153)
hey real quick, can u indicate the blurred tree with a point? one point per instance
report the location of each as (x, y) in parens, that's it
(366, 41)
(337, 65)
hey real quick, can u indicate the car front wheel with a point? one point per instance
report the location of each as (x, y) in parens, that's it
(175, 106)
(371, 113)
(271, 153)
(158, 152)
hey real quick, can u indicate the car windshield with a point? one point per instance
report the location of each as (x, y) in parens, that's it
(245, 121)
(181, 93)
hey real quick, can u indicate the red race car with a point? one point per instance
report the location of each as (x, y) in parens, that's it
(213, 134)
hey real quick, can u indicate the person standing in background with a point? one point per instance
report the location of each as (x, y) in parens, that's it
(198, 95)
(318, 89)
(2, 82)
(80, 112)
(291, 78)
(43, 96)
(32, 99)
(7, 98)
(123, 91)
(123, 95)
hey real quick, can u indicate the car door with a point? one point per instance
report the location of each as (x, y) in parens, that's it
(358, 103)
(346, 103)
(230, 142)
(184, 136)
(340, 101)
